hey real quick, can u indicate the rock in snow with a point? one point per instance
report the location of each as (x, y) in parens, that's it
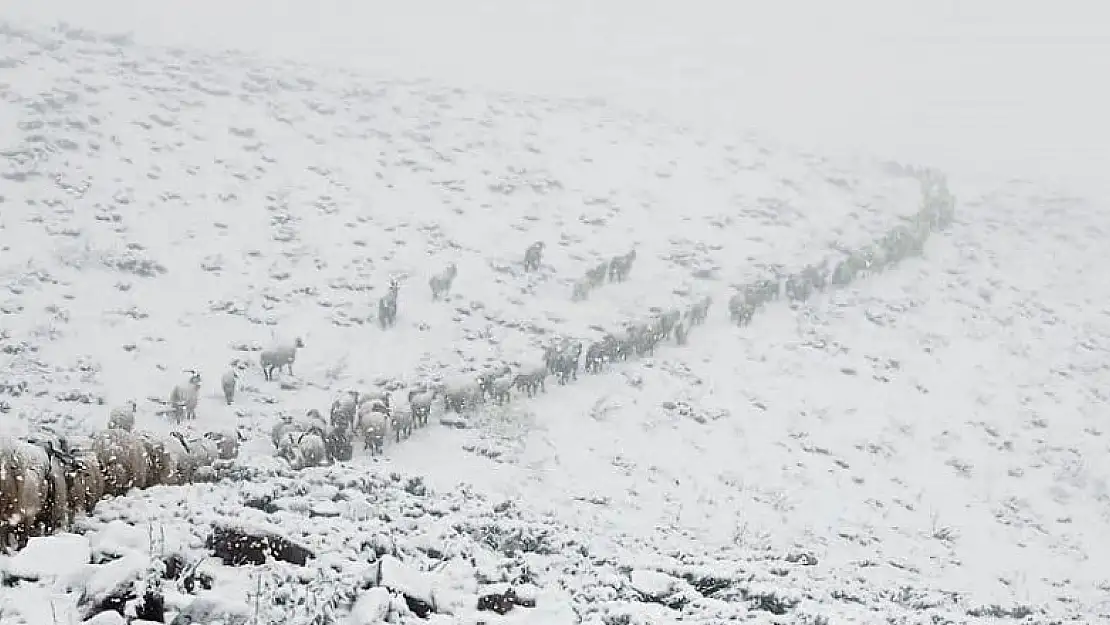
(50, 556)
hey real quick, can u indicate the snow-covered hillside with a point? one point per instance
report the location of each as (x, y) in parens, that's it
(926, 445)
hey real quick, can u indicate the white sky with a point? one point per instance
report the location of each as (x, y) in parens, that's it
(1013, 87)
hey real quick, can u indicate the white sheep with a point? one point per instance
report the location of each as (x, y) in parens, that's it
(402, 420)
(42, 463)
(123, 417)
(374, 426)
(228, 382)
(284, 426)
(123, 460)
(167, 459)
(184, 397)
(421, 404)
(201, 454)
(227, 443)
(84, 481)
(303, 449)
(344, 410)
(441, 282)
(22, 492)
(279, 356)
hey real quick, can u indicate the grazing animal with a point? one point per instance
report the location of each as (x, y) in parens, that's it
(596, 277)
(339, 444)
(387, 305)
(344, 409)
(84, 481)
(740, 309)
(581, 291)
(421, 403)
(51, 457)
(374, 426)
(284, 426)
(228, 382)
(531, 381)
(123, 417)
(699, 311)
(227, 443)
(441, 282)
(23, 491)
(533, 256)
(279, 356)
(680, 333)
(621, 266)
(462, 394)
(123, 460)
(167, 459)
(402, 421)
(183, 397)
(500, 388)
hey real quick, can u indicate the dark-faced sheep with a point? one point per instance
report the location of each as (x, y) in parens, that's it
(123, 417)
(533, 256)
(621, 266)
(279, 356)
(441, 283)
(184, 397)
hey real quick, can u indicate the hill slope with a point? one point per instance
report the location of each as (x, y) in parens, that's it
(906, 446)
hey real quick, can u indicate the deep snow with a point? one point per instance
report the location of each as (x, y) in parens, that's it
(923, 443)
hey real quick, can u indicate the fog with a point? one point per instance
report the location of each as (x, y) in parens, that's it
(987, 87)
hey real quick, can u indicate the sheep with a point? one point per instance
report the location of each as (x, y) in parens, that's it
(581, 291)
(371, 397)
(344, 409)
(596, 277)
(201, 452)
(167, 458)
(533, 256)
(303, 449)
(282, 427)
(421, 403)
(680, 333)
(84, 481)
(486, 377)
(50, 456)
(123, 460)
(621, 266)
(279, 356)
(227, 443)
(441, 282)
(500, 388)
(338, 443)
(740, 310)
(183, 397)
(374, 426)
(228, 382)
(532, 381)
(462, 394)
(387, 305)
(123, 417)
(699, 311)
(22, 492)
(402, 421)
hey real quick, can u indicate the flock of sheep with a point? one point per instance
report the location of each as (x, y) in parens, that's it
(47, 480)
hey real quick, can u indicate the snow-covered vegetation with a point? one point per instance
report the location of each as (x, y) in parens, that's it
(630, 427)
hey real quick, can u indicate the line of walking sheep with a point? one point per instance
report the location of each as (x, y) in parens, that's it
(900, 242)
(615, 269)
(48, 480)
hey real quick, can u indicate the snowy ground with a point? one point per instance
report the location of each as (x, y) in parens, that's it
(924, 446)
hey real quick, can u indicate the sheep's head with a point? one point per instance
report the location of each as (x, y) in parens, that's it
(299, 342)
